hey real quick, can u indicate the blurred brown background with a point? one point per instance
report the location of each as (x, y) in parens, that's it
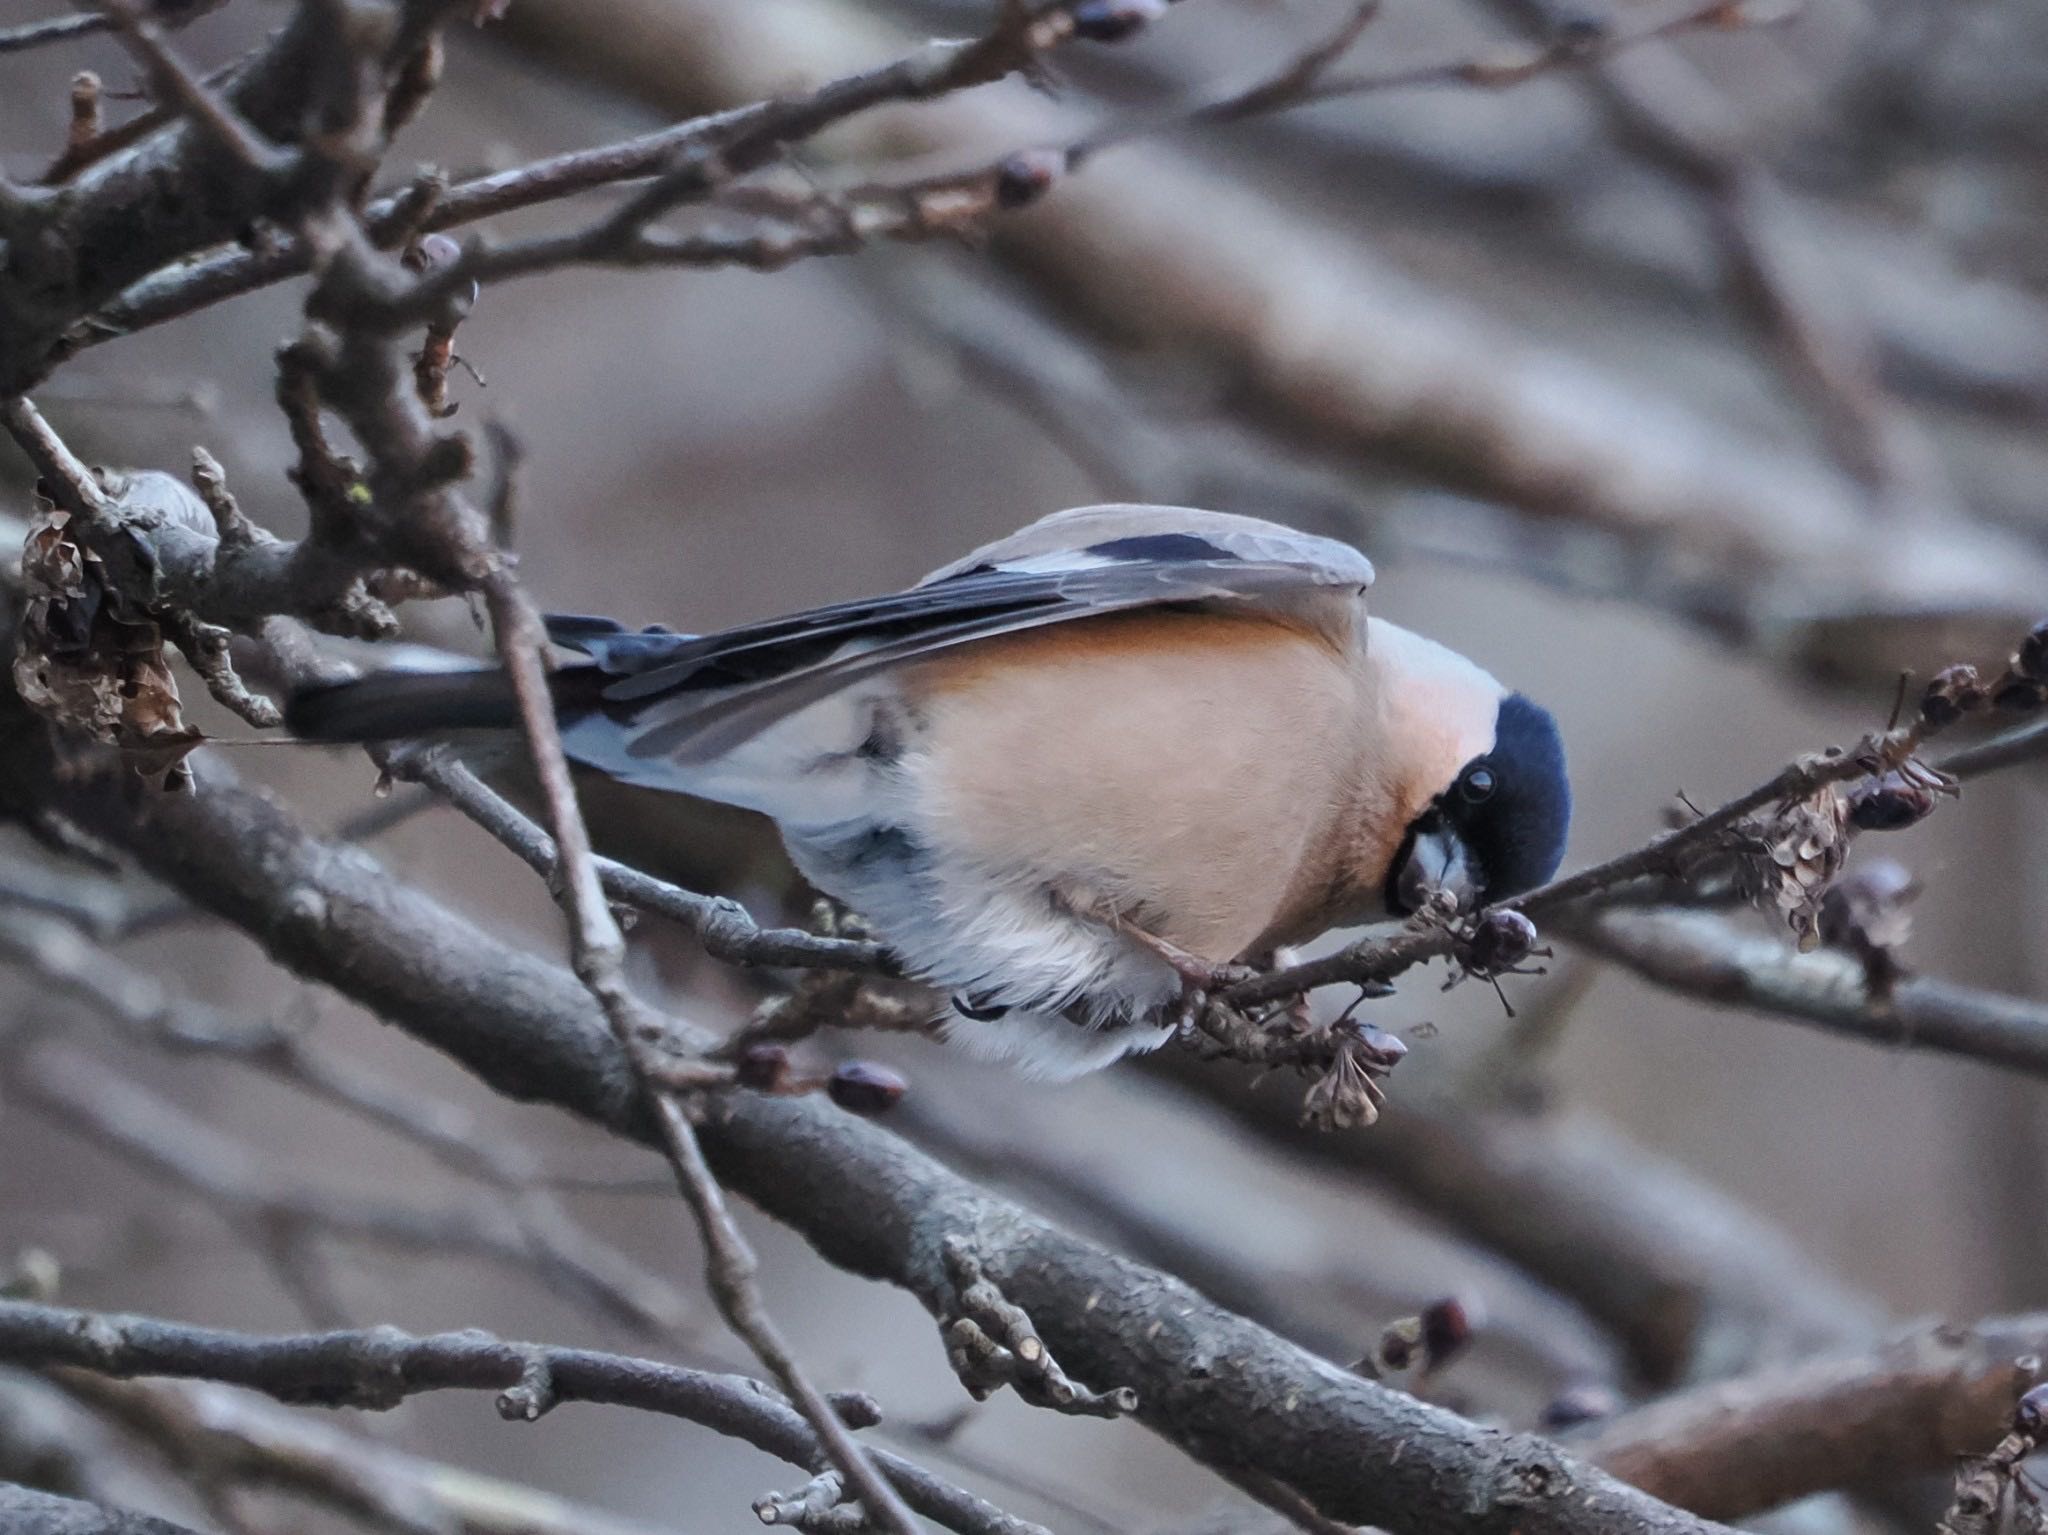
(706, 447)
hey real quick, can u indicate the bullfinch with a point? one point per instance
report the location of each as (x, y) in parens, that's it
(1075, 776)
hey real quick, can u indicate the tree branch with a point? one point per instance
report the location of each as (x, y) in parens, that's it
(143, 1011)
(868, 1202)
(1694, 1285)
(1154, 252)
(223, 1437)
(282, 1218)
(1704, 955)
(377, 1369)
(1739, 1447)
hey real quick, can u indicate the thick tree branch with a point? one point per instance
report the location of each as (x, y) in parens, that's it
(1740, 1447)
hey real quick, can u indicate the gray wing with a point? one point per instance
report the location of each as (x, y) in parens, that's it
(694, 698)
(1083, 530)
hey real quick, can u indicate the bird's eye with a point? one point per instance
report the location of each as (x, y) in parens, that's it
(1476, 785)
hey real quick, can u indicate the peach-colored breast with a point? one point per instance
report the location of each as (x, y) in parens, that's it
(1194, 772)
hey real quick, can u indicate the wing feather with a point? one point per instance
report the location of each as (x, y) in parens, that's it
(693, 698)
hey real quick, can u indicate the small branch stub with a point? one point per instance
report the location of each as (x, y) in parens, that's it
(990, 1343)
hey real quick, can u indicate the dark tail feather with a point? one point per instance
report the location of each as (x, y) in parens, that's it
(387, 706)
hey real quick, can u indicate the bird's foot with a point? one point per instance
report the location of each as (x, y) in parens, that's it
(1198, 976)
(990, 1343)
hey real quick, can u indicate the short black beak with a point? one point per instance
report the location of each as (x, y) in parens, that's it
(1437, 862)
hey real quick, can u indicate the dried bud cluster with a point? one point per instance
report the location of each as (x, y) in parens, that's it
(1954, 692)
(1348, 1092)
(1957, 691)
(93, 661)
(1866, 913)
(1799, 849)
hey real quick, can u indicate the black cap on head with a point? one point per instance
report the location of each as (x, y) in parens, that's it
(1512, 808)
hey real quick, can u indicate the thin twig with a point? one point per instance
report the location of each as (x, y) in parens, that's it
(188, 91)
(580, 1262)
(285, 1220)
(598, 953)
(225, 1437)
(69, 483)
(723, 926)
(51, 29)
(1700, 954)
(698, 155)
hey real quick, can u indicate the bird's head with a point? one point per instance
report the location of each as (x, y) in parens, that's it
(1497, 827)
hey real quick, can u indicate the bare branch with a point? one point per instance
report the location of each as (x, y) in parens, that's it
(1675, 118)
(1158, 254)
(69, 482)
(176, 191)
(722, 925)
(1706, 956)
(733, 142)
(693, 159)
(1743, 1446)
(223, 1437)
(377, 1369)
(413, 471)
(2028, 744)
(284, 1220)
(557, 1248)
(51, 29)
(179, 85)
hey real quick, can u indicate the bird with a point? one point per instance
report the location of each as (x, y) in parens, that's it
(1077, 779)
